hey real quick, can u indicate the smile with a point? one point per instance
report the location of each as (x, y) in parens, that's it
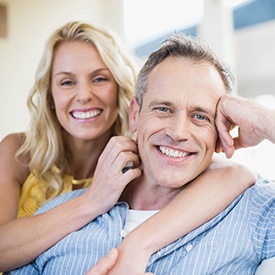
(86, 115)
(173, 153)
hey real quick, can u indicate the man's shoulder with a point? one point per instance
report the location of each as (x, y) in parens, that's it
(264, 184)
(262, 192)
(59, 200)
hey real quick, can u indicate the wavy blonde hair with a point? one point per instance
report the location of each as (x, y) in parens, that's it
(44, 139)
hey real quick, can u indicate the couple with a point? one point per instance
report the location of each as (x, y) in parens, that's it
(174, 116)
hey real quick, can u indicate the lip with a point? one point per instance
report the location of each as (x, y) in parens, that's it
(86, 114)
(173, 153)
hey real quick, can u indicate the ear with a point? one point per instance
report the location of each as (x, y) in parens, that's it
(133, 117)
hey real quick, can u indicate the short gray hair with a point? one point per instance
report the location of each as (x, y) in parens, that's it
(190, 47)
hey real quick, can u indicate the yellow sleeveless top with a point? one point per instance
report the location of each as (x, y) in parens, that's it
(33, 195)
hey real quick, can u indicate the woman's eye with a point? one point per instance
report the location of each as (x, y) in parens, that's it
(67, 83)
(100, 79)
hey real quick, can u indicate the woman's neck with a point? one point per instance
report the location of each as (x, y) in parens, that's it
(82, 156)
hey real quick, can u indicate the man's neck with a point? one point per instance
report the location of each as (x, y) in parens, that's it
(143, 196)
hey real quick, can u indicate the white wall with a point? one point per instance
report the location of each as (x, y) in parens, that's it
(30, 22)
(254, 59)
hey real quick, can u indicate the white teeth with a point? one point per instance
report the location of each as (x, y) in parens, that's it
(86, 115)
(172, 153)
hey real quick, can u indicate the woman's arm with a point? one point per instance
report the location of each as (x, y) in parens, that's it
(23, 239)
(103, 266)
(200, 201)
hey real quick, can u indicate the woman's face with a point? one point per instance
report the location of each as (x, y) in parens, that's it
(84, 91)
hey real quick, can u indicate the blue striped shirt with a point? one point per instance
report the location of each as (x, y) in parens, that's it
(234, 242)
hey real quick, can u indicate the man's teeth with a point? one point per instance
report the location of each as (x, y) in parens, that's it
(173, 153)
(86, 115)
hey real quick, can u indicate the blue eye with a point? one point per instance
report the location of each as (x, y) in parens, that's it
(200, 117)
(100, 79)
(163, 109)
(67, 83)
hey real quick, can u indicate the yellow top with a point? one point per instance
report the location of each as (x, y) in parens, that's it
(33, 194)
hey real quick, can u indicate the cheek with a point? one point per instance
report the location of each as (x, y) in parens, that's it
(210, 138)
(206, 135)
(60, 98)
(111, 98)
(148, 132)
(61, 104)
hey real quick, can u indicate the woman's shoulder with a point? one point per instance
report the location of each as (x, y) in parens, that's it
(13, 139)
(10, 168)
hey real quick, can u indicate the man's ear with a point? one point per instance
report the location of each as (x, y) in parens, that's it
(133, 117)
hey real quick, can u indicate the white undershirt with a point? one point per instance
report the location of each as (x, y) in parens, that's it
(136, 217)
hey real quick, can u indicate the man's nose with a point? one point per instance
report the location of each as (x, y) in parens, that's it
(179, 128)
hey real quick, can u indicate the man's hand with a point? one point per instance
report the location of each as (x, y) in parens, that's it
(255, 123)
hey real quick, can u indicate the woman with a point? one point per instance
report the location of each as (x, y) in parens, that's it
(78, 103)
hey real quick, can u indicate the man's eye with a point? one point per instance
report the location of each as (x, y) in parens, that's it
(200, 117)
(163, 109)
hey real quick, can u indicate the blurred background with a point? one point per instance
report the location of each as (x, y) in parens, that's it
(241, 31)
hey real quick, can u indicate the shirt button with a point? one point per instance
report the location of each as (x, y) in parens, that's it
(123, 233)
(189, 247)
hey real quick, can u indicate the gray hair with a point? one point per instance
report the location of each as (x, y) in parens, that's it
(189, 47)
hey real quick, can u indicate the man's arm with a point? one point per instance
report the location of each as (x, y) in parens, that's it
(255, 123)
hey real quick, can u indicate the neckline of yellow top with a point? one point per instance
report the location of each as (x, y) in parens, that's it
(74, 181)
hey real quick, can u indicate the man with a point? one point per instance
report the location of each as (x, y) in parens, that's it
(173, 116)
(256, 123)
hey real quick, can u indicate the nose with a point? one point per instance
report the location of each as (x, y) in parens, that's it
(84, 92)
(179, 128)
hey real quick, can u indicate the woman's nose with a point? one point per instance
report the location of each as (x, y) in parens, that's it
(84, 93)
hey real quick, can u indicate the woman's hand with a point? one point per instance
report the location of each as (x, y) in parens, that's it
(109, 180)
(104, 265)
(131, 259)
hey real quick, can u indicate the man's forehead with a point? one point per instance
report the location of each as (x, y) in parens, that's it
(183, 78)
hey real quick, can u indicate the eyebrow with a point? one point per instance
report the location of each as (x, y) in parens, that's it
(162, 102)
(203, 110)
(93, 72)
(169, 103)
(206, 111)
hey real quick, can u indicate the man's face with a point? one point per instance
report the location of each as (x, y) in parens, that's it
(175, 126)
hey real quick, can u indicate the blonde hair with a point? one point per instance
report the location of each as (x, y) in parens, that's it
(44, 139)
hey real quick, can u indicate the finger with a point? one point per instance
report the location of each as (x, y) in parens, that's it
(115, 148)
(129, 165)
(127, 160)
(105, 264)
(237, 143)
(229, 151)
(218, 147)
(221, 146)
